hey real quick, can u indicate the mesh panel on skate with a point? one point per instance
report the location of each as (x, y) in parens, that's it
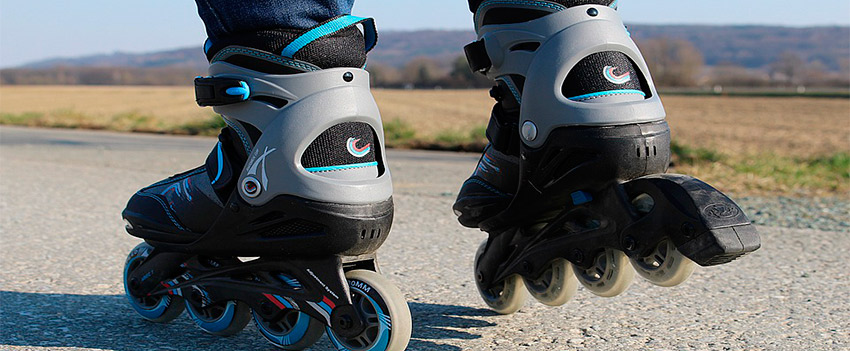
(600, 72)
(343, 144)
(293, 227)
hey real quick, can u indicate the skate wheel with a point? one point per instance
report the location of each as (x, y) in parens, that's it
(555, 286)
(610, 275)
(223, 318)
(384, 311)
(507, 297)
(665, 266)
(294, 330)
(159, 309)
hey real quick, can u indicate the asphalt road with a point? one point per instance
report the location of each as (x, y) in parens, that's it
(62, 247)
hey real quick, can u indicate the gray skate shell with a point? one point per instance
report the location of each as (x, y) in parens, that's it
(565, 37)
(317, 101)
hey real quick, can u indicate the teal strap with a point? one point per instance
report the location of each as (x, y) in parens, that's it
(370, 33)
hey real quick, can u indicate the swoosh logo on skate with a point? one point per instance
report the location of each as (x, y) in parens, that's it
(610, 74)
(259, 165)
(355, 151)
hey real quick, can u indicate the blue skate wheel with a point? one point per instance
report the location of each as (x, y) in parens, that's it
(223, 318)
(384, 311)
(158, 308)
(293, 330)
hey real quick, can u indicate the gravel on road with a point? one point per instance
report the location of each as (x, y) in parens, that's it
(63, 246)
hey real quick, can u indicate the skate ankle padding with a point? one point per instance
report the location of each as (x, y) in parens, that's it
(336, 42)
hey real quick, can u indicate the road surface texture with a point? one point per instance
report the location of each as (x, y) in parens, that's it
(63, 246)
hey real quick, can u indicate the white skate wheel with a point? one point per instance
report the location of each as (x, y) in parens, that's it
(555, 286)
(610, 275)
(508, 297)
(665, 265)
(384, 310)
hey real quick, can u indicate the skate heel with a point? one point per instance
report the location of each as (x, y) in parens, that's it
(709, 228)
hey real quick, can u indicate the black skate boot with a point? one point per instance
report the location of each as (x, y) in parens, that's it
(298, 180)
(583, 128)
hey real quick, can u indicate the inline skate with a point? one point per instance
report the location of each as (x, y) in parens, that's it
(281, 223)
(572, 188)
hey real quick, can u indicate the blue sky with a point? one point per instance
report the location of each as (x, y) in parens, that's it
(35, 30)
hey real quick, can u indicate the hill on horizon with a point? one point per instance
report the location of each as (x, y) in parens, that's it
(754, 47)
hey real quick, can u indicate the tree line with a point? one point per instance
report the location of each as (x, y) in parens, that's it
(673, 63)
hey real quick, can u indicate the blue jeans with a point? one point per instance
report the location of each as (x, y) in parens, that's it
(224, 17)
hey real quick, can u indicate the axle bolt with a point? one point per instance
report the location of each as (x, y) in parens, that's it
(688, 230)
(345, 322)
(578, 256)
(629, 243)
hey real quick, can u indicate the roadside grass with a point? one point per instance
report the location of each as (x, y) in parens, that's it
(767, 173)
(398, 133)
(131, 121)
(750, 174)
(744, 145)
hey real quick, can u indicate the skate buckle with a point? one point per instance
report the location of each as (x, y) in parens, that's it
(477, 57)
(212, 91)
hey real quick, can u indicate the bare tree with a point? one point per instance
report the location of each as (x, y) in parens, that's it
(788, 68)
(462, 76)
(730, 74)
(673, 62)
(383, 75)
(422, 72)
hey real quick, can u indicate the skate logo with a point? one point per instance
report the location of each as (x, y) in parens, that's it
(610, 74)
(258, 166)
(360, 285)
(720, 210)
(355, 151)
(322, 283)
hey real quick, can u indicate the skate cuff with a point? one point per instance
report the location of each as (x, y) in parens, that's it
(211, 91)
